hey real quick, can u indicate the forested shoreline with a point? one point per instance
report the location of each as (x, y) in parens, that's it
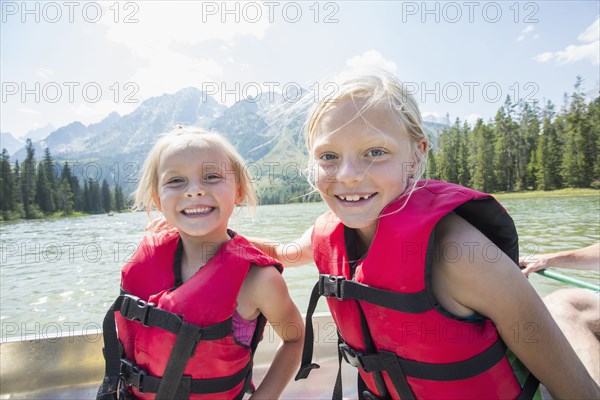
(524, 148)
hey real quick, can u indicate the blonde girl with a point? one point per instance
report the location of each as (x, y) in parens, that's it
(195, 298)
(420, 276)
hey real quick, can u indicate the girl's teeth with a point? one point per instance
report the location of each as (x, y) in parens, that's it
(354, 197)
(194, 211)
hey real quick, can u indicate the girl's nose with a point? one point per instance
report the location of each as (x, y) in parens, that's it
(194, 189)
(350, 171)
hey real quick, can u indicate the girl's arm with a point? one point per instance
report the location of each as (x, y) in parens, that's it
(292, 254)
(485, 280)
(268, 291)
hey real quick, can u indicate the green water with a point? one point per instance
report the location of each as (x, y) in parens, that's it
(60, 276)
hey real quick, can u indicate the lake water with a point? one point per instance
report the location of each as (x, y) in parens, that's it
(60, 276)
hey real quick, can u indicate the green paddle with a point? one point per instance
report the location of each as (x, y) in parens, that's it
(567, 279)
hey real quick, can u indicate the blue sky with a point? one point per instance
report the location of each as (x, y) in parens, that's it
(62, 61)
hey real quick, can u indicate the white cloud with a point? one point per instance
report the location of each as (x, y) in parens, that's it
(29, 111)
(370, 59)
(544, 57)
(162, 37)
(573, 53)
(44, 73)
(590, 50)
(591, 33)
(520, 38)
(528, 28)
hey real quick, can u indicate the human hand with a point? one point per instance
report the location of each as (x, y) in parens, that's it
(532, 264)
(158, 225)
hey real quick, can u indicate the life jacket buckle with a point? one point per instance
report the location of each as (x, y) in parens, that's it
(132, 375)
(352, 356)
(332, 286)
(136, 309)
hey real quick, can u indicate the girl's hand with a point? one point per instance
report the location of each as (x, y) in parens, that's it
(158, 225)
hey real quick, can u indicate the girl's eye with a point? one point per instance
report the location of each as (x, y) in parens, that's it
(327, 157)
(376, 152)
(212, 177)
(174, 181)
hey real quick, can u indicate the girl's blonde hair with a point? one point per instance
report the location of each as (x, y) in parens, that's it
(146, 194)
(377, 88)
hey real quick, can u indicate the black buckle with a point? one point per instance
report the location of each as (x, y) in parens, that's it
(352, 356)
(331, 286)
(132, 374)
(135, 309)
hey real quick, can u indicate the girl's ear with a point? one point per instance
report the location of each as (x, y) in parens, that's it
(238, 195)
(156, 200)
(422, 146)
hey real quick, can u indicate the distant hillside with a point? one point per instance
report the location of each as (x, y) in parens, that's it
(263, 131)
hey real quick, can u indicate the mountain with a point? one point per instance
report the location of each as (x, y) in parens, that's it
(267, 131)
(39, 134)
(10, 143)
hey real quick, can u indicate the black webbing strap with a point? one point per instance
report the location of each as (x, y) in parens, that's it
(529, 388)
(135, 309)
(396, 374)
(183, 350)
(112, 355)
(307, 352)
(338, 390)
(435, 372)
(146, 383)
(344, 289)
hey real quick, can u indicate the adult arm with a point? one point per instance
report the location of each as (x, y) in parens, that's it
(584, 258)
(497, 289)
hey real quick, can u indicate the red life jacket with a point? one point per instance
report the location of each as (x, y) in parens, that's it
(157, 311)
(404, 344)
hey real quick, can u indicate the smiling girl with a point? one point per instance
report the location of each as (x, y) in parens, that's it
(420, 276)
(195, 299)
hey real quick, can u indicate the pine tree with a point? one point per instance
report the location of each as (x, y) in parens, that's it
(78, 195)
(463, 148)
(107, 201)
(65, 198)
(505, 147)
(594, 123)
(548, 153)
(44, 197)
(51, 175)
(119, 198)
(7, 187)
(528, 133)
(28, 182)
(18, 192)
(483, 159)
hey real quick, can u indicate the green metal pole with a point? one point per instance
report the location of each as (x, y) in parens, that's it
(569, 280)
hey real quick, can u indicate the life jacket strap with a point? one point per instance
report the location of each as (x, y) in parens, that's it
(306, 364)
(135, 309)
(372, 362)
(134, 376)
(343, 289)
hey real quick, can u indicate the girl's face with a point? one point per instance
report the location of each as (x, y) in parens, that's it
(197, 191)
(363, 163)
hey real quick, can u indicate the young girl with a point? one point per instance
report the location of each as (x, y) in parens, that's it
(194, 299)
(420, 276)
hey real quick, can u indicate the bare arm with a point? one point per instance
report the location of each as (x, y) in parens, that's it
(497, 289)
(584, 258)
(292, 254)
(283, 315)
